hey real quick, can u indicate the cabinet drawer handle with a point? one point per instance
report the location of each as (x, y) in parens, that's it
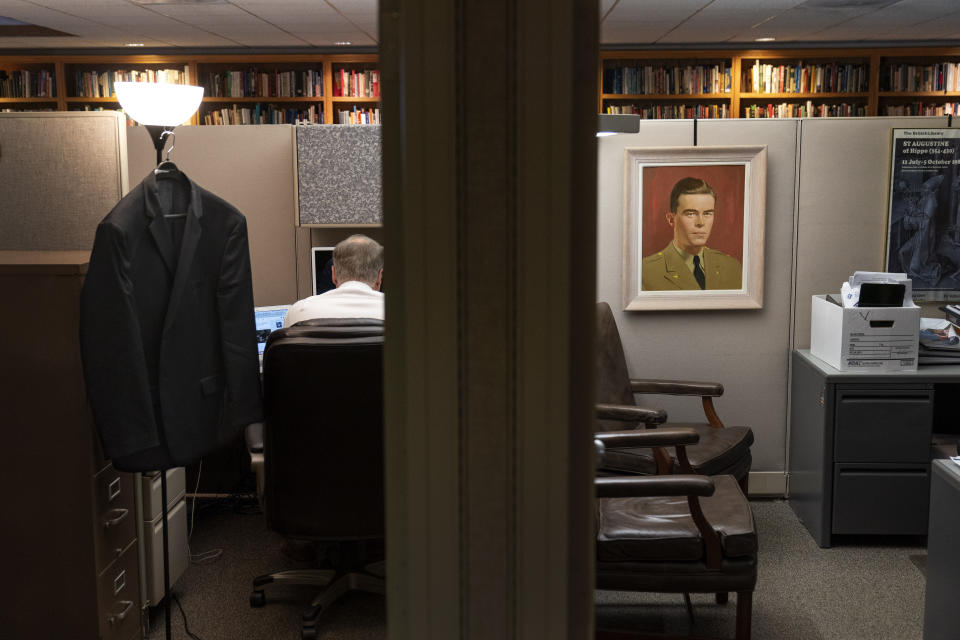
(885, 400)
(117, 516)
(116, 618)
(113, 490)
(912, 473)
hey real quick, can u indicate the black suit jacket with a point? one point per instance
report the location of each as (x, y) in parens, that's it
(167, 332)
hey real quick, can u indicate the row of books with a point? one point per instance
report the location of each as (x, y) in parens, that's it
(672, 111)
(268, 84)
(358, 116)
(24, 83)
(944, 76)
(263, 114)
(7, 110)
(804, 110)
(356, 84)
(923, 109)
(835, 77)
(94, 84)
(668, 80)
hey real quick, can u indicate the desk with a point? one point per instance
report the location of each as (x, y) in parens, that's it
(940, 617)
(860, 446)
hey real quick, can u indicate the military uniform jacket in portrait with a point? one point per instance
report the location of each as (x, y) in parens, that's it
(167, 332)
(666, 271)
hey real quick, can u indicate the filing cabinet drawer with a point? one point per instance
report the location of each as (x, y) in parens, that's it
(151, 491)
(115, 523)
(118, 597)
(882, 425)
(179, 553)
(891, 499)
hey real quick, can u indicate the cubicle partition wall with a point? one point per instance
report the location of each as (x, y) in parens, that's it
(60, 173)
(253, 168)
(826, 208)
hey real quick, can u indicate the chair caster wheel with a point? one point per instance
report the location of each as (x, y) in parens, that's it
(308, 633)
(258, 598)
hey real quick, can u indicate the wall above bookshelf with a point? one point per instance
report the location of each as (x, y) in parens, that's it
(781, 82)
(238, 89)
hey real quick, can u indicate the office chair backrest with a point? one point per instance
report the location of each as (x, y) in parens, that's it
(323, 434)
(613, 378)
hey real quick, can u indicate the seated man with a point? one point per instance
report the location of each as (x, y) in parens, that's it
(357, 273)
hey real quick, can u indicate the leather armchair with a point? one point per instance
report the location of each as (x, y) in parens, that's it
(681, 533)
(323, 453)
(720, 450)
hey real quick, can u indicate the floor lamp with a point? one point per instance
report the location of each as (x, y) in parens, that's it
(160, 108)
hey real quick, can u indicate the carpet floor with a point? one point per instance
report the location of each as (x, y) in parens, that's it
(860, 589)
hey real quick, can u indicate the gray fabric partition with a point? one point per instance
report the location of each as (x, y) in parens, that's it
(252, 168)
(843, 202)
(339, 174)
(60, 173)
(827, 183)
(746, 350)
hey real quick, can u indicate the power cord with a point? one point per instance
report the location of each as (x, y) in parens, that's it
(184, 616)
(205, 557)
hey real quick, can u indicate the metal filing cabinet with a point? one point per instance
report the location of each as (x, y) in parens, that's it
(69, 520)
(860, 448)
(179, 554)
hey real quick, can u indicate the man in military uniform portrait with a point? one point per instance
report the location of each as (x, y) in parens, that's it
(687, 263)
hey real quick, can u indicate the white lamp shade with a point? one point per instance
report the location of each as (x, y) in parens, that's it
(156, 103)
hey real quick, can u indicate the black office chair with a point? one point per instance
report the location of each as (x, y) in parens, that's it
(323, 454)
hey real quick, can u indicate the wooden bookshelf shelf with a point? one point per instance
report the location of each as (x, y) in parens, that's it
(802, 96)
(357, 99)
(27, 100)
(665, 96)
(919, 94)
(74, 100)
(275, 99)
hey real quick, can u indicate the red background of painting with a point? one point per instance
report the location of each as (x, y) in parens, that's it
(727, 182)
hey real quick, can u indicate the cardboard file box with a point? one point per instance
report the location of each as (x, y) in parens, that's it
(864, 338)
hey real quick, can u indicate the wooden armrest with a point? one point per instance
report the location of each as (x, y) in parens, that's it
(647, 438)
(677, 387)
(692, 486)
(650, 486)
(631, 413)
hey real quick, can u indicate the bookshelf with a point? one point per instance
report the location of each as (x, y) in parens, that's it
(28, 84)
(238, 89)
(781, 83)
(919, 82)
(669, 85)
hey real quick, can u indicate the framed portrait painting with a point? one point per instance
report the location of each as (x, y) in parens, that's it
(693, 227)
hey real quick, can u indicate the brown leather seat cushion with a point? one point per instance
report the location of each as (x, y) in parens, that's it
(719, 451)
(661, 528)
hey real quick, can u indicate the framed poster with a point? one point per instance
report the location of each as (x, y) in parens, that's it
(693, 227)
(923, 230)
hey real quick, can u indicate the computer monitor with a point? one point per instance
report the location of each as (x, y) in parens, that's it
(320, 260)
(267, 320)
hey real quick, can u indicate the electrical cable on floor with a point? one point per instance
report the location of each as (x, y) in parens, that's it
(184, 616)
(205, 557)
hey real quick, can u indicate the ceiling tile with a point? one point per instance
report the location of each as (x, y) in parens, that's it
(302, 23)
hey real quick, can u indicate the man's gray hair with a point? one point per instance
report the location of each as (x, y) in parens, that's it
(359, 257)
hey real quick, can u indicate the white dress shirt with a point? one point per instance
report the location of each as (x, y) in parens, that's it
(352, 299)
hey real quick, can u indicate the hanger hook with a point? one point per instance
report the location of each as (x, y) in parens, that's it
(173, 142)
